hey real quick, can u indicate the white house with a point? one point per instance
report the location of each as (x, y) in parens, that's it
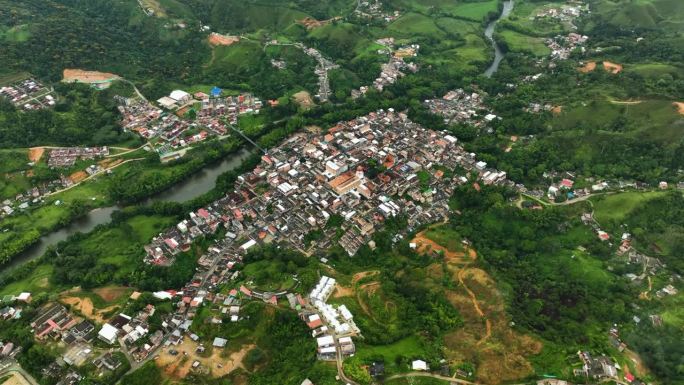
(108, 333)
(419, 365)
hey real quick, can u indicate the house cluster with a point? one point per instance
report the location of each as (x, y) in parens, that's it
(392, 70)
(374, 10)
(562, 46)
(34, 195)
(28, 94)
(596, 368)
(323, 67)
(364, 171)
(331, 326)
(566, 13)
(67, 156)
(460, 106)
(215, 112)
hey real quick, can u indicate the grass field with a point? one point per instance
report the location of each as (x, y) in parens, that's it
(517, 42)
(18, 34)
(410, 347)
(616, 207)
(667, 14)
(475, 11)
(36, 282)
(655, 70)
(446, 237)
(412, 24)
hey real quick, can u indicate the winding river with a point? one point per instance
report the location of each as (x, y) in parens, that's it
(489, 33)
(200, 183)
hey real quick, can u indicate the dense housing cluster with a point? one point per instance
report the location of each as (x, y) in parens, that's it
(213, 115)
(365, 171)
(28, 94)
(393, 69)
(460, 106)
(67, 156)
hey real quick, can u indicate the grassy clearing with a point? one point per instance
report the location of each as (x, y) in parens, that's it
(17, 34)
(412, 24)
(37, 282)
(655, 70)
(445, 236)
(517, 42)
(475, 11)
(409, 347)
(616, 207)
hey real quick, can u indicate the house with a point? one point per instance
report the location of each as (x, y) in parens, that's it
(167, 102)
(180, 96)
(108, 333)
(419, 365)
(219, 342)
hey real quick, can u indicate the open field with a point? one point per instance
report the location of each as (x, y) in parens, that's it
(38, 281)
(35, 153)
(15, 379)
(85, 306)
(616, 207)
(83, 76)
(303, 99)
(517, 42)
(218, 363)
(217, 39)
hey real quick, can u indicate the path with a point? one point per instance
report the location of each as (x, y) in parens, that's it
(476, 305)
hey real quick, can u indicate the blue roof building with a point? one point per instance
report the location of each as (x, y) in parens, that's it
(215, 92)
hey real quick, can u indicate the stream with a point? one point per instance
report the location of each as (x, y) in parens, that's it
(489, 33)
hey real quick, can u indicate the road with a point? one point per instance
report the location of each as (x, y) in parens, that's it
(340, 366)
(14, 367)
(435, 376)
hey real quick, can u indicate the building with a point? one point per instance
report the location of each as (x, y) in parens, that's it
(180, 96)
(108, 334)
(419, 365)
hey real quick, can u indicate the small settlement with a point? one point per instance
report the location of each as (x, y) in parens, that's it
(29, 94)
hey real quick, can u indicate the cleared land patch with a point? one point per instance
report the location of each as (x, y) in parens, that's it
(83, 76)
(611, 67)
(35, 153)
(217, 39)
(218, 363)
(587, 67)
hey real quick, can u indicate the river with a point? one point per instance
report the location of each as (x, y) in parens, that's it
(198, 184)
(489, 33)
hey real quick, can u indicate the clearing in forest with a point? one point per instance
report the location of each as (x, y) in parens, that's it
(216, 39)
(35, 153)
(613, 68)
(82, 76)
(680, 107)
(587, 67)
(303, 99)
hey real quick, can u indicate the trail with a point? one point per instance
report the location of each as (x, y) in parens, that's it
(476, 304)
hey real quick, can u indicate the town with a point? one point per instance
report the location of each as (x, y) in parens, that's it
(352, 172)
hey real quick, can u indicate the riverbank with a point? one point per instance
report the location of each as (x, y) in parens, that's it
(82, 208)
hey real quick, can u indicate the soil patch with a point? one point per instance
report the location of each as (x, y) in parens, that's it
(613, 68)
(311, 23)
(111, 293)
(217, 39)
(35, 153)
(359, 276)
(557, 110)
(425, 245)
(587, 67)
(342, 291)
(85, 306)
(680, 107)
(218, 364)
(82, 76)
(303, 98)
(78, 176)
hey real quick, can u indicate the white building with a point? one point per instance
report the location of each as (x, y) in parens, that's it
(419, 365)
(108, 334)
